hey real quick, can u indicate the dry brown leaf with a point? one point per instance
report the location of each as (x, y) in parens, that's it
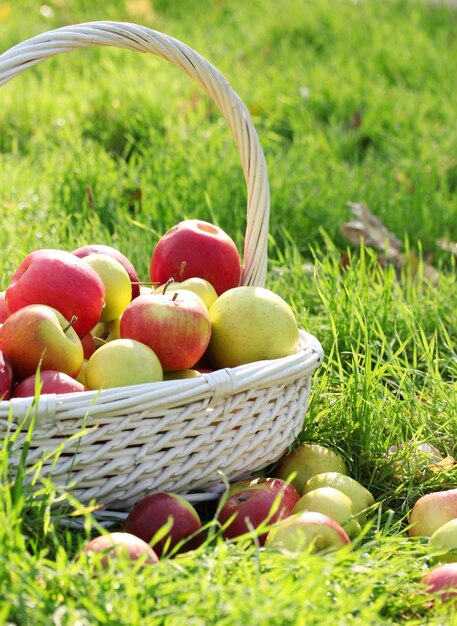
(446, 464)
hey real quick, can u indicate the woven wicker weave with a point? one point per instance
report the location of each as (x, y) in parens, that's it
(119, 444)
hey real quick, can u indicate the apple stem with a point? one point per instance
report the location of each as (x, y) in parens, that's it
(181, 270)
(169, 282)
(98, 341)
(70, 323)
(145, 283)
(175, 295)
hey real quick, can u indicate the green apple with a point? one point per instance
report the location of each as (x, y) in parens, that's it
(445, 538)
(200, 286)
(361, 498)
(251, 324)
(333, 503)
(306, 460)
(122, 362)
(118, 288)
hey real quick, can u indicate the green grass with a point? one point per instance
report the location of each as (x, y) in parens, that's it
(353, 101)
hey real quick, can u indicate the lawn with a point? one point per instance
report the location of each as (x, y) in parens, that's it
(354, 103)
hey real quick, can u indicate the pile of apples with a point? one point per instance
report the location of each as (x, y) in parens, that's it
(310, 504)
(85, 321)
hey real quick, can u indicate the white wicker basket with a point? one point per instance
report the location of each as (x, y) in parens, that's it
(117, 445)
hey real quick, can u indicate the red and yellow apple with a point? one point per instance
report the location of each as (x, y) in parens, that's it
(38, 334)
(432, 511)
(85, 250)
(176, 327)
(116, 544)
(196, 248)
(60, 280)
(289, 495)
(51, 382)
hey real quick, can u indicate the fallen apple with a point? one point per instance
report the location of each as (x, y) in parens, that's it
(289, 495)
(444, 540)
(306, 460)
(246, 510)
(307, 532)
(122, 362)
(361, 498)
(39, 335)
(333, 503)
(432, 511)
(172, 514)
(251, 324)
(116, 544)
(442, 581)
(195, 248)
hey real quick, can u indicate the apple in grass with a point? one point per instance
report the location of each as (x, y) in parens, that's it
(90, 249)
(289, 495)
(51, 382)
(361, 498)
(205, 249)
(39, 335)
(170, 515)
(249, 509)
(307, 532)
(432, 511)
(444, 539)
(251, 324)
(62, 281)
(441, 581)
(113, 545)
(306, 460)
(176, 327)
(122, 362)
(333, 503)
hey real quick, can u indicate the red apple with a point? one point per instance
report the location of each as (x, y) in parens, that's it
(442, 580)
(115, 254)
(207, 251)
(176, 327)
(154, 511)
(432, 511)
(39, 334)
(289, 495)
(52, 382)
(62, 281)
(307, 531)
(116, 543)
(6, 377)
(3, 309)
(251, 508)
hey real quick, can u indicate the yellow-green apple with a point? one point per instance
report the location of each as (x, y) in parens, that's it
(81, 377)
(172, 511)
(247, 510)
(84, 251)
(197, 285)
(441, 581)
(175, 326)
(3, 309)
(51, 382)
(6, 377)
(103, 548)
(432, 511)
(122, 362)
(60, 280)
(444, 539)
(306, 460)
(251, 324)
(333, 503)
(289, 495)
(196, 248)
(307, 532)
(118, 289)
(361, 498)
(38, 334)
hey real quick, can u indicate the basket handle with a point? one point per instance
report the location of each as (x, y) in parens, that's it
(142, 39)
